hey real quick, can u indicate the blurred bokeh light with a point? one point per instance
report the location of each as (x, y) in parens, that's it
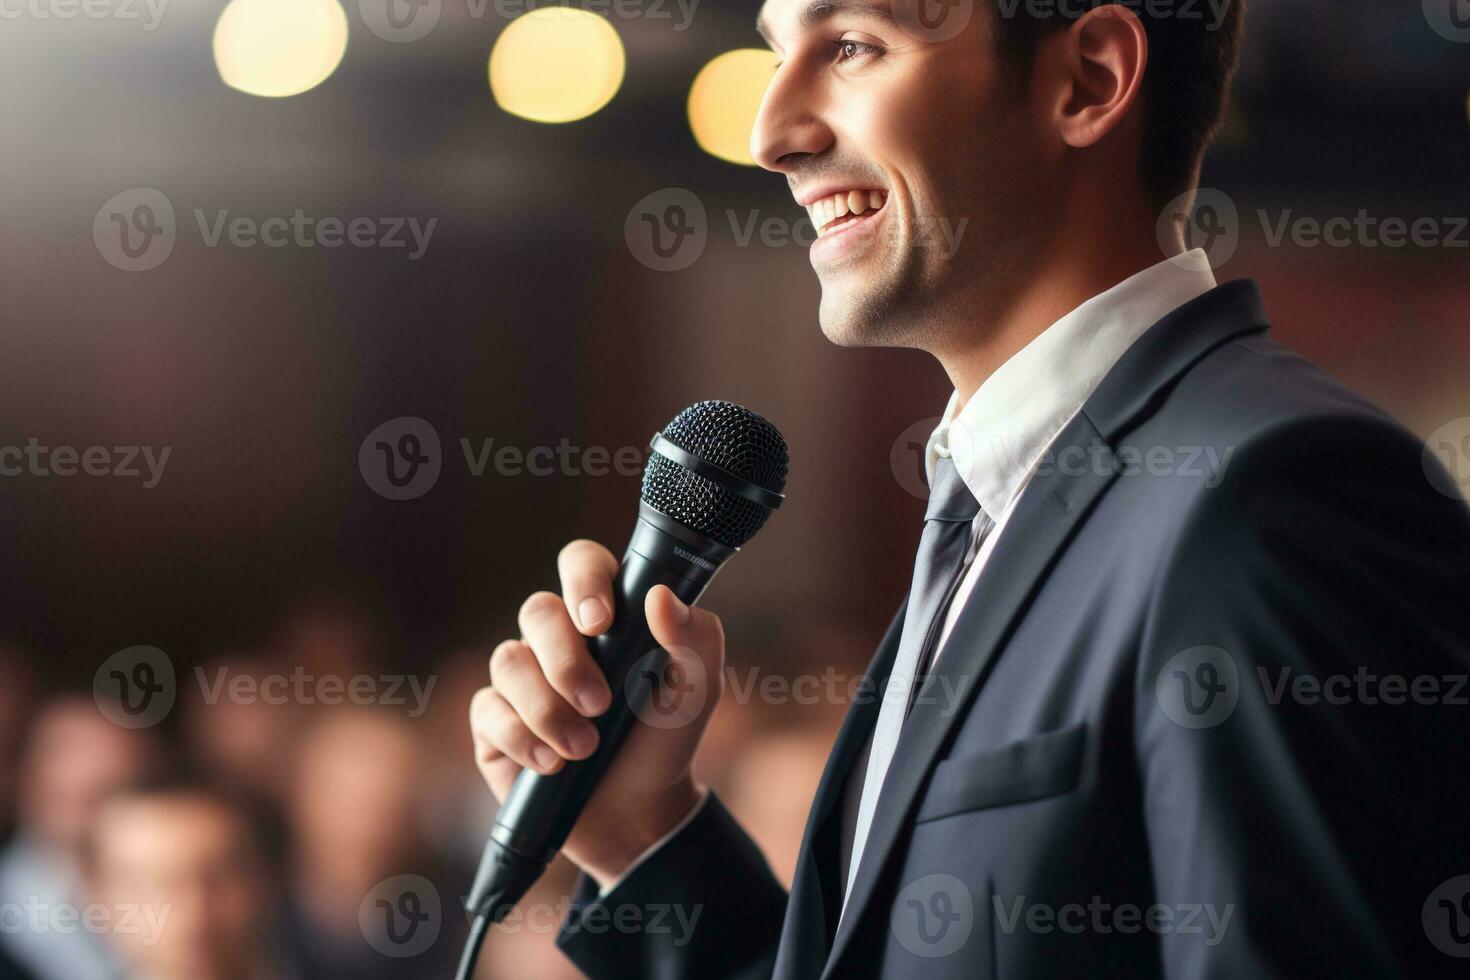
(277, 48)
(724, 99)
(556, 65)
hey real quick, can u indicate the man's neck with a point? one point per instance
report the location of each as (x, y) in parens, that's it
(1059, 280)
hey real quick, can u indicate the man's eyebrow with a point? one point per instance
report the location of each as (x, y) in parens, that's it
(819, 10)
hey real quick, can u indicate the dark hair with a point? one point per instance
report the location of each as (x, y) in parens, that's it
(264, 830)
(1193, 54)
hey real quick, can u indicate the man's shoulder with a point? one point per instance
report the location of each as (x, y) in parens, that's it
(1254, 389)
(1266, 426)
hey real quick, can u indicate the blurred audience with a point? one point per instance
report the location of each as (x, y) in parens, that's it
(457, 811)
(353, 816)
(241, 741)
(183, 870)
(271, 861)
(73, 758)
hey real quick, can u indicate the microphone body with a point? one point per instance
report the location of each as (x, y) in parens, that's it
(540, 810)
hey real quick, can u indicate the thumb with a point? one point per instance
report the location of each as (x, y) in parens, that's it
(695, 641)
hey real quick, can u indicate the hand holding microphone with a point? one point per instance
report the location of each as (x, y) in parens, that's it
(563, 700)
(546, 686)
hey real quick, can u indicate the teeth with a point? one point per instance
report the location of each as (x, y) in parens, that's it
(842, 204)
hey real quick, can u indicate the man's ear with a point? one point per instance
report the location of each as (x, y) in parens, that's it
(1099, 62)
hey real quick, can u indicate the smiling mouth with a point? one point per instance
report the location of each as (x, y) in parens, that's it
(842, 210)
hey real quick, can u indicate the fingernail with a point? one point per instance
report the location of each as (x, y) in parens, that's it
(544, 756)
(591, 611)
(582, 741)
(681, 611)
(592, 699)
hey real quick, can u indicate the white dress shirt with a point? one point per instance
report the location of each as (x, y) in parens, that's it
(1008, 424)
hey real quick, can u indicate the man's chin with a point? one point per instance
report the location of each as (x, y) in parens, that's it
(849, 317)
(859, 312)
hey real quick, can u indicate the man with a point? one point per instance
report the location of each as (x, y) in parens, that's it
(73, 757)
(183, 870)
(1155, 540)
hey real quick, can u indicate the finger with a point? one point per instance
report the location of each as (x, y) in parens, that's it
(500, 775)
(501, 737)
(562, 652)
(517, 678)
(695, 641)
(587, 570)
(497, 769)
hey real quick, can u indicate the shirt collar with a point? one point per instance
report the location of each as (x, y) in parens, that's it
(1013, 417)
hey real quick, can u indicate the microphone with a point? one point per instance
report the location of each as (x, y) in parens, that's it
(716, 473)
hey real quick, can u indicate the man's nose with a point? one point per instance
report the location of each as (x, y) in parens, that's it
(788, 127)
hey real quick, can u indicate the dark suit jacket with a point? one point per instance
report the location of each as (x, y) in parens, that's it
(1120, 768)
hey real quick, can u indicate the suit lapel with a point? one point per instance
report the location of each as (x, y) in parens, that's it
(1046, 517)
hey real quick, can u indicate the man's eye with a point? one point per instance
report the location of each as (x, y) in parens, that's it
(850, 50)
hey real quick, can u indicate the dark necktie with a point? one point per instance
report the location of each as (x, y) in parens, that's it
(943, 549)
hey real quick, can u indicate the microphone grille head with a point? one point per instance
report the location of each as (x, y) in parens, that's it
(737, 441)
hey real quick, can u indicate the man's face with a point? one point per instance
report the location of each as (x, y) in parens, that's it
(183, 866)
(913, 148)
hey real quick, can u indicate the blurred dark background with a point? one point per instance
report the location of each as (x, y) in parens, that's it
(529, 320)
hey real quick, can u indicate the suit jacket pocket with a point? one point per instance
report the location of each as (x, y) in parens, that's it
(1031, 769)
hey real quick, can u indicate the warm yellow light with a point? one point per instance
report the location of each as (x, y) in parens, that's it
(724, 99)
(276, 48)
(556, 65)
